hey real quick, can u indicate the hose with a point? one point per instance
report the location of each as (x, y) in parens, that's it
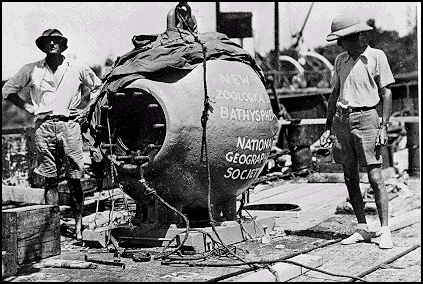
(152, 191)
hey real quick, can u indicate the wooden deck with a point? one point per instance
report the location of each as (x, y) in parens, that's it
(318, 201)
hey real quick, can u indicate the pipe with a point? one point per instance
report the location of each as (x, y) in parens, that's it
(300, 33)
(277, 48)
(413, 148)
(294, 62)
(320, 57)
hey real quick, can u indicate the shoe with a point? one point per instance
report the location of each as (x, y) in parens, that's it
(358, 236)
(386, 239)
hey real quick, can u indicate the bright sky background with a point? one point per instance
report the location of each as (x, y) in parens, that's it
(97, 30)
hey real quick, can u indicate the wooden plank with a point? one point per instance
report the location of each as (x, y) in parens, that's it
(333, 177)
(27, 208)
(146, 234)
(293, 190)
(315, 208)
(31, 220)
(36, 230)
(9, 235)
(38, 251)
(230, 232)
(309, 121)
(405, 118)
(37, 220)
(9, 243)
(104, 195)
(398, 222)
(17, 130)
(9, 226)
(325, 167)
(87, 184)
(9, 265)
(326, 193)
(285, 271)
(39, 237)
(317, 202)
(59, 263)
(35, 216)
(90, 202)
(299, 192)
(26, 195)
(283, 93)
(98, 236)
(276, 214)
(339, 177)
(271, 191)
(88, 187)
(304, 121)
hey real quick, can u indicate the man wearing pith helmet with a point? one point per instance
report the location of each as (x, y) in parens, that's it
(55, 84)
(360, 81)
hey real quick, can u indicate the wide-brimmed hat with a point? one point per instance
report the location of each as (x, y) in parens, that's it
(346, 25)
(51, 33)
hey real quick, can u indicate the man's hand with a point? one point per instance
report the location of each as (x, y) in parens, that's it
(81, 118)
(382, 136)
(326, 138)
(20, 103)
(29, 108)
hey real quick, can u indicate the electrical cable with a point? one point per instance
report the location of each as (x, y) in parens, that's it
(232, 274)
(377, 266)
(276, 261)
(284, 260)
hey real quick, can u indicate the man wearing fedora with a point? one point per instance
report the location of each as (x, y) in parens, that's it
(361, 79)
(55, 85)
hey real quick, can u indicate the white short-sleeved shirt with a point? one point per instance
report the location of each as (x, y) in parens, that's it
(360, 80)
(57, 93)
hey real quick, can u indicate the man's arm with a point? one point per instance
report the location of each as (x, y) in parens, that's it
(94, 83)
(325, 139)
(386, 95)
(15, 84)
(333, 98)
(90, 80)
(384, 79)
(20, 103)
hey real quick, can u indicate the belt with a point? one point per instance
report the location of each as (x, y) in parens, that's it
(348, 110)
(59, 117)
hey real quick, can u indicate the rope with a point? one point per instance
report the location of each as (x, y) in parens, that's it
(204, 150)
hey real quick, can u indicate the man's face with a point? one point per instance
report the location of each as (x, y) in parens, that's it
(53, 45)
(349, 42)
